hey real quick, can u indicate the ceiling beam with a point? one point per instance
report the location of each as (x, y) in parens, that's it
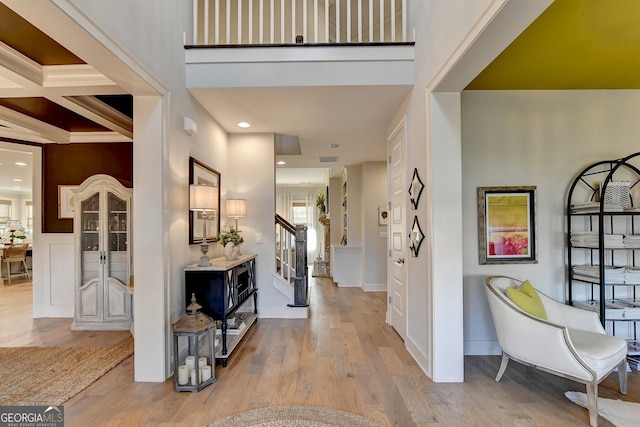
(29, 125)
(98, 112)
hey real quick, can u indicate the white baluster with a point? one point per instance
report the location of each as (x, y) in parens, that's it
(348, 21)
(338, 21)
(216, 35)
(206, 22)
(261, 38)
(272, 25)
(228, 20)
(326, 21)
(304, 20)
(381, 20)
(370, 21)
(393, 21)
(293, 21)
(404, 20)
(239, 41)
(250, 21)
(282, 21)
(360, 21)
(315, 21)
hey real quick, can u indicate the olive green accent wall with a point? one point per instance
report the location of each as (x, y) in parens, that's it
(574, 44)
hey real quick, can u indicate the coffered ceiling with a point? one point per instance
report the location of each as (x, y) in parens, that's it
(47, 94)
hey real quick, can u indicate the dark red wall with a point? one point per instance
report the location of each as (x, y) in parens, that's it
(70, 164)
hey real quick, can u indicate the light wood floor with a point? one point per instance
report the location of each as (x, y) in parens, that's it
(344, 357)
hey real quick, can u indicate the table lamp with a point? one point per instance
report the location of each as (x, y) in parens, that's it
(236, 208)
(204, 199)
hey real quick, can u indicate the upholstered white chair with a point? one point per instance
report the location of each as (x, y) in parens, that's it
(571, 343)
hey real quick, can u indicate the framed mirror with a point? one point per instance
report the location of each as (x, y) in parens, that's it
(415, 189)
(415, 237)
(201, 174)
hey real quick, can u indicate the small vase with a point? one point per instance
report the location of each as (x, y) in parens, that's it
(231, 251)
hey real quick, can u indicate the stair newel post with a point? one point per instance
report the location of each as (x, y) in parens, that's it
(301, 280)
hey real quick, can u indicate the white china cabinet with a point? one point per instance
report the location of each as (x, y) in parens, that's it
(102, 231)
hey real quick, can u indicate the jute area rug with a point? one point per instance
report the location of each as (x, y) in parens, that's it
(52, 375)
(294, 416)
(617, 412)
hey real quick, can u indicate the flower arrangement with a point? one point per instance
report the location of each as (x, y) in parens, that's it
(15, 231)
(230, 234)
(17, 234)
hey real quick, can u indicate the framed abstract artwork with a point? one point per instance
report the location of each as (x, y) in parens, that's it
(507, 225)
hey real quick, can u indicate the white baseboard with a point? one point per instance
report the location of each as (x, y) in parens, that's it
(375, 287)
(482, 348)
(421, 359)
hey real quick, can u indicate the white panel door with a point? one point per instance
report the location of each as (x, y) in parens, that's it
(397, 233)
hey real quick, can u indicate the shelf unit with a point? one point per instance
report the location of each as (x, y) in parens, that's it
(603, 245)
(222, 289)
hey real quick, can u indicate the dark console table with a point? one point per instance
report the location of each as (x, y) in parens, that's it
(221, 290)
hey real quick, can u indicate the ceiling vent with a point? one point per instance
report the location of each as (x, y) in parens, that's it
(328, 159)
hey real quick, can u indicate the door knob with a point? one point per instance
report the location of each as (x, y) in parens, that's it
(400, 261)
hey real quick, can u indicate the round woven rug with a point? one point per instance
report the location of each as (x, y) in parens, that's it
(293, 416)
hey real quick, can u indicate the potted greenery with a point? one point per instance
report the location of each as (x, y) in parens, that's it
(231, 239)
(320, 204)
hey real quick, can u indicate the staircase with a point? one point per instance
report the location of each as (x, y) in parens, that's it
(291, 277)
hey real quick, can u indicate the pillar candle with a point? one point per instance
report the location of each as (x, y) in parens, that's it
(194, 379)
(190, 361)
(183, 374)
(202, 361)
(206, 372)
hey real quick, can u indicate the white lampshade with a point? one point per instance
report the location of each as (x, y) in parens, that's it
(203, 198)
(236, 208)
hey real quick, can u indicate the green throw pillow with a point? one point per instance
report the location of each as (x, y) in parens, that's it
(527, 299)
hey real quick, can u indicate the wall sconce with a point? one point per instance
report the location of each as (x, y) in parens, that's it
(236, 208)
(204, 199)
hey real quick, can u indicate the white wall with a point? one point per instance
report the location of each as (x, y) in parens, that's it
(252, 178)
(374, 247)
(540, 138)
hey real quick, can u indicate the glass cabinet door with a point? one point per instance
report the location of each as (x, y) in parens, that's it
(90, 238)
(117, 240)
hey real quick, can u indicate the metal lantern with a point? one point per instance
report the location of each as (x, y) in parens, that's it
(195, 333)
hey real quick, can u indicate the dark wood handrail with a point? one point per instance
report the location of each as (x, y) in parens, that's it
(285, 224)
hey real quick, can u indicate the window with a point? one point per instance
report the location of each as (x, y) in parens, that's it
(29, 213)
(5, 211)
(300, 213)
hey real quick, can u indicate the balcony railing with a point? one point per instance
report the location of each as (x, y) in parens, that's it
(286, 22)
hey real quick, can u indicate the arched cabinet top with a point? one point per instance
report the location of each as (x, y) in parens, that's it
(102, 181)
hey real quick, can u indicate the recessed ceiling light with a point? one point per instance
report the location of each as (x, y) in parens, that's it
(244, 125)
(20, 164)
(17, 180)
(281, 162)
(334, 145)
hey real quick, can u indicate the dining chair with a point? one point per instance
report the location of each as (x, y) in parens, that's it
(16, 253)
